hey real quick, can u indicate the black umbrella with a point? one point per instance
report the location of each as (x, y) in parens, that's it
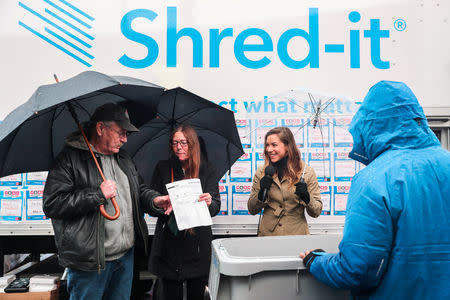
(214, 124)
(33, 134)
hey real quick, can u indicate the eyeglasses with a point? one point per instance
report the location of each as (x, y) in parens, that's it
(183, 143)
(122, 133)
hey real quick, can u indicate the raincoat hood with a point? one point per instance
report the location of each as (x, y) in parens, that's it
(390, 117)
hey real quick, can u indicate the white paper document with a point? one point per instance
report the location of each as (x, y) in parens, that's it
(189, 212)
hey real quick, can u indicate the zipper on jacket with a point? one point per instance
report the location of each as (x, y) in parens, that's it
(98, 242)
(136, 215)
(99, 223)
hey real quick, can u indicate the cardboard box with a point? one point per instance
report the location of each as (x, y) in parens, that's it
(51, 295)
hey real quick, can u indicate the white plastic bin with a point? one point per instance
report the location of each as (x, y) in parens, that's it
(269, 268)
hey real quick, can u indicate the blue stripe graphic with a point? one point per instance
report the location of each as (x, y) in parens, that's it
(69, 24)
(54, 44)
(53, 24)
(334, 48)
(68, 13)
(68, 43)
(77, 10)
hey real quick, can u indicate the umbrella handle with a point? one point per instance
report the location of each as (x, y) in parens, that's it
(113, 199)
(116, 207)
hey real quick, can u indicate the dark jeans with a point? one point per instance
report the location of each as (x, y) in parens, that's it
(173, 289)
(112, 283)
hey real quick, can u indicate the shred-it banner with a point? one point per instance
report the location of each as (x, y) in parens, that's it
(241, 57)
(227, 53)
(80, 20)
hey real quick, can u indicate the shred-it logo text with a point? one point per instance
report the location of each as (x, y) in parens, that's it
(62, 25)
(371, 37)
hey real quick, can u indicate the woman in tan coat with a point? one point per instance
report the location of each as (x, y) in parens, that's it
(292, 189)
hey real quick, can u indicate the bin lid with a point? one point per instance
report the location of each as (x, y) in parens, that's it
(251, 255)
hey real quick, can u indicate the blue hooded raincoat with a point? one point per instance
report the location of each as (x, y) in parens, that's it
(396, 241)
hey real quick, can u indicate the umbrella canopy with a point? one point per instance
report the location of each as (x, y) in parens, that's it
(33, 134)
(315, 107)
(314, 116)
(215, 126)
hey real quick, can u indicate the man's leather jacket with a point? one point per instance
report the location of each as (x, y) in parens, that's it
(72, 197)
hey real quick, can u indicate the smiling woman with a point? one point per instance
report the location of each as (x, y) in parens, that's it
(286, 194)
(275, 148)
(320, 130)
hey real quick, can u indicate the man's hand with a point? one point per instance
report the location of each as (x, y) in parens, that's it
(164, 203)
(206, 197)
(303, 254)
(108, 188)
(309, 256)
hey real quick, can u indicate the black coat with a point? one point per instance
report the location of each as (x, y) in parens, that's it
(71, 199)
(185, 255)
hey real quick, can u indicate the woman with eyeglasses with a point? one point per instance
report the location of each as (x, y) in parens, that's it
(183, 256)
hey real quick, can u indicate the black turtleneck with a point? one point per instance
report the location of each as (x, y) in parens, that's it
(281, 167)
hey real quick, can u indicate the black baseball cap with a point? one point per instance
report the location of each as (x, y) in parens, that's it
(113, 112)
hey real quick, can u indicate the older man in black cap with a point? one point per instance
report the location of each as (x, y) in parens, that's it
(97, 252)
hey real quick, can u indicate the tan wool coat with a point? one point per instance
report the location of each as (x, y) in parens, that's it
(284, 211)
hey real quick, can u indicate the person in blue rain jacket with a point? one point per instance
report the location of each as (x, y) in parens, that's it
(396, 240)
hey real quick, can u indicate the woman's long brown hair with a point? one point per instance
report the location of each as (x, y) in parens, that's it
(193, 165)
(294, 166)
(193, 168)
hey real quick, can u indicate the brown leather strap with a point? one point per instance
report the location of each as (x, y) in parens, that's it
(171, 173)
